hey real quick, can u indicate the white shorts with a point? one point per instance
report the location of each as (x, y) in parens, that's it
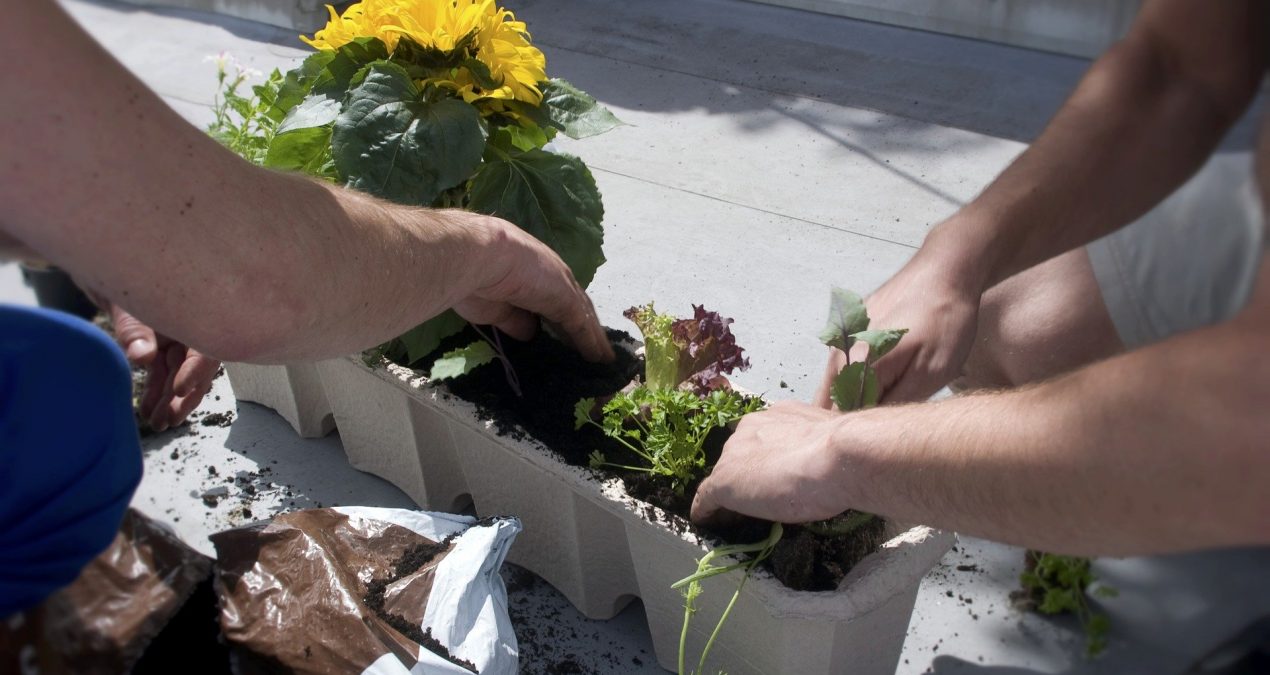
(1191, 261)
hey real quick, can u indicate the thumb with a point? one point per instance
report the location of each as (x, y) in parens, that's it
(136, 338)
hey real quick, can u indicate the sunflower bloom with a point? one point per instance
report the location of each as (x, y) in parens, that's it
(488, 33)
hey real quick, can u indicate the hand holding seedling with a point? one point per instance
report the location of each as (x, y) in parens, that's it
(940, 310)
(177, 377)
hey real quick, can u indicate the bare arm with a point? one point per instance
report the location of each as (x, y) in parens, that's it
(100, 177)
(1162, 449)
(1141, 121)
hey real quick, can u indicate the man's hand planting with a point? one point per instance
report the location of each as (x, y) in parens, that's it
(177, 377)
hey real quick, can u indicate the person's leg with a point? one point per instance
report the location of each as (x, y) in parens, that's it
(70, 458)
(1188, 263)
(1039, 323)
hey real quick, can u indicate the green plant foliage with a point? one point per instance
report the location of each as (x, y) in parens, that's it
(391, 141)
(553, 197)
(575, 112)
(691, 587)
(462, 361)
(240, 122)
(1060, 584)
(666, 428)
(855, 387)
(847, 316)
(417, 343)
(375, 121)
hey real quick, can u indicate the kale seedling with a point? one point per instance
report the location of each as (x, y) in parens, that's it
(855, 386)
(1059, 584)
(464, 360)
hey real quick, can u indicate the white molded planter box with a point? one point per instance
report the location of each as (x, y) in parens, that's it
(295, 392)
(601, 549)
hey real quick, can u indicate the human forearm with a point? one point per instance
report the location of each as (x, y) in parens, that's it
(240, 262)
(1141, 121)
(1161, 449)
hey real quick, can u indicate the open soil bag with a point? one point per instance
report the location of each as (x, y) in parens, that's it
(367, 590)
(106, 619)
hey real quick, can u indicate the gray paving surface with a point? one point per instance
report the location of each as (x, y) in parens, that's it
(770, 154)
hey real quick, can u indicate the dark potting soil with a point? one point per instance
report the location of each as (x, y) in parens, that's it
(192, 637)
(409, 563)
(553, 378)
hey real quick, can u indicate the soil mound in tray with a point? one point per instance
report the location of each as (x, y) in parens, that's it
(553, 378)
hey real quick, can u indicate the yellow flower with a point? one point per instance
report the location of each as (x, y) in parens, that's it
(498, 40)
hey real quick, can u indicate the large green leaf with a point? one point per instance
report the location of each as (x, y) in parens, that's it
(462, 361)
(299, 82)
(390, 142)
(305, 150)
(855, 386)
(553, 197)
(880, 341)
(424, 339)
(847, 316)
(576, 112)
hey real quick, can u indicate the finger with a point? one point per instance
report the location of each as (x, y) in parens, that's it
(197, 371)
(182, 406)
(156, 379)
(160, 419)
(137, 339)
(705, 510)
(508, 318)
(909, 388)
(834, 364)
(585, 332)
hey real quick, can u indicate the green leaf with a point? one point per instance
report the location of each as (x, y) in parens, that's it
(582, 412)
(391, 143)
(462, 361)
(855, 387)
(316, 110)
(424, 339)
(553, 197)
(576, 112)
(880, 341)
(298, 83)
(305, 150)
(847, 316)
(514, 138)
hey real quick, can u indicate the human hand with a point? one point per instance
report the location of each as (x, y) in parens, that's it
(524, 278)
(177, 377)
(779, 465)
(941, 314)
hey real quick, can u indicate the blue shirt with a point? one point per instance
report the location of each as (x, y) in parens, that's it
(70, 458)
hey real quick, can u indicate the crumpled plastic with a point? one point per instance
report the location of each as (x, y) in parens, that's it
(103, 622)
(367, 590)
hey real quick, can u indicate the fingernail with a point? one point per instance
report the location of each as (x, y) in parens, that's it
(138, 348)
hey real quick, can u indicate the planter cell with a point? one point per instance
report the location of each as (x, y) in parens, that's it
(294, 392)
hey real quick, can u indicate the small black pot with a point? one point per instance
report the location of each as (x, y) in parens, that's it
(54, 289)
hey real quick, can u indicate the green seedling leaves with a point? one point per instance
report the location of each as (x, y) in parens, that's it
(880, 341)
(575, 112)
(392, 143)
(582, 412)
(423, 339)
(462, 361)
(847, 317)
(552, 197)
(855, 387)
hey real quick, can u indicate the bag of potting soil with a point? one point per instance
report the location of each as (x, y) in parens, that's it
(104, 621)
(366, 590)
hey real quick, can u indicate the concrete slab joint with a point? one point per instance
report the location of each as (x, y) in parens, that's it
(597, 546)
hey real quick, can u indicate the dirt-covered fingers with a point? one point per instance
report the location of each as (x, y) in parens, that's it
(196, 372)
